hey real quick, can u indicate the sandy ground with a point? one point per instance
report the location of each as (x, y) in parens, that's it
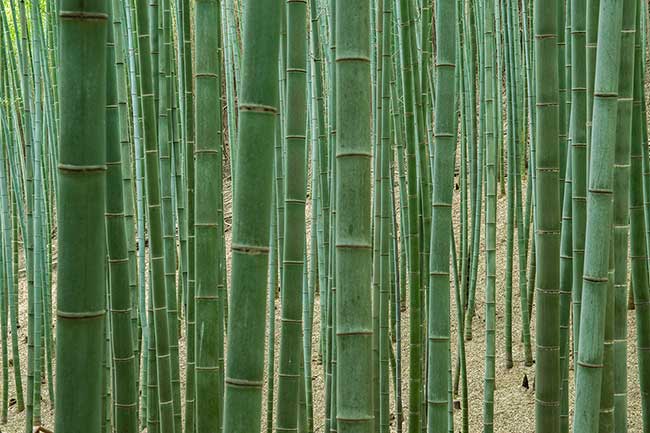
(514, 405)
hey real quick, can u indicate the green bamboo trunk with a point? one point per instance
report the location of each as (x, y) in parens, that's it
(258, 107)
(444, 152)
(638, 246)
(331, 385)
(354, 406)
(149, 69)
(491, 95)
(562, 88)
(578, 134)
(127, 168)
(481, 153)
(165, 138)
(460, 285)
(8, 271)
(273, 287)
(588, 22)
(81, 207)
(28, 242)
(320, 130)
(510, 191)
(413, 241)
(376, 36)
(532, 137)
(10, 232)
(622, 211)
(147, 120)
(522, 235)
(13, 301)
(382, 423)
(591, 44)
(547, 230)
(309, 286)
(38, 251)
(606, 409)
(599, 219)
(106, 377)
(208, 166)
(190, 313)
(294, 217)
(4, 322)
(566, 276)
(124, 367)
(144, 328)
(153, 412)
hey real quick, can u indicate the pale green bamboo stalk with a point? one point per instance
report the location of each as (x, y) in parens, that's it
(121, 342)
(354, 412)
(444, 152)
(622, 212)
(258, 109)
(599, 219)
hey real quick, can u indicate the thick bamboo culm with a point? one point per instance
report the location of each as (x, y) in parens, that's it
(298, 216)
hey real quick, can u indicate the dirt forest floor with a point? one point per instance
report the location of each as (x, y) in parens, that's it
(514, 405)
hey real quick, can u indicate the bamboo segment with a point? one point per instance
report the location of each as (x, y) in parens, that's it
(208, 155)
(273, 286)
(37, 253)
(294, 216)
(10, 229)
(578, 157)
(599, 220)
(150, 90)
(566, 275)
(29, 210)
(165, 139)
(638, 246)
(547, 231)
(190, 313)
(82, 182)
(382, 422)
(413, 241)
(354, 409)
(490, 97)
(443, 156)
(258, 106)
(120, 296)
(622, 211)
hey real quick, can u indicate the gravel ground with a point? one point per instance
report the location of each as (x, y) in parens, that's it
(514, 404)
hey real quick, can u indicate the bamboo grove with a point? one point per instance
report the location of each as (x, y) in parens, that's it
(206, 205)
